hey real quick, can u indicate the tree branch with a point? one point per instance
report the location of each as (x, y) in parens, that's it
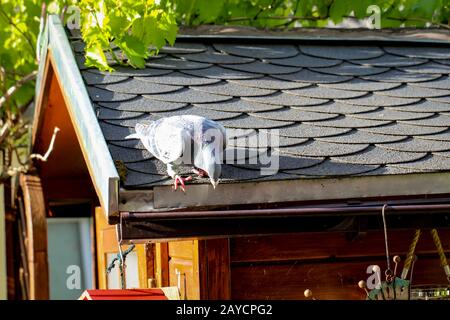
(9, 171)
(4, 130)
(442, 25)
(49, 150)
(291, 19)
(16, 86)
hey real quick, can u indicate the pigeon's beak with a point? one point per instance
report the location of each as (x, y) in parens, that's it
(214, 183)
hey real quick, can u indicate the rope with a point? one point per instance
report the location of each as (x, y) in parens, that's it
(385, 238)
(122, 265)
(121, 256)
(118, 258)
(440, 249)
(410, 254)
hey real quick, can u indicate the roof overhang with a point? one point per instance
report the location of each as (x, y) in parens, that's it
(57, 58)
(162, 198)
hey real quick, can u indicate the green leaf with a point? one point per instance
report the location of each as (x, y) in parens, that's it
(339, 9)
(135, 50)
(95, 57)
(208, 10)
(118, 23)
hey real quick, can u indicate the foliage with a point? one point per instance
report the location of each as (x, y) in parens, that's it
(133, 26)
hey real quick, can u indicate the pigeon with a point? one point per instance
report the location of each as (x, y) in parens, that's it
(189, 140)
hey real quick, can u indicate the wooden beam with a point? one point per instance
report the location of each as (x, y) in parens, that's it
(36, 218)
(162, 264)
(69, 188)
(3, 274)
(214, 263)
(153, 230)
(150, 259)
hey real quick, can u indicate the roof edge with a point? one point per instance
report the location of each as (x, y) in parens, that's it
(91, 139)
(316, 35)
(162, 198)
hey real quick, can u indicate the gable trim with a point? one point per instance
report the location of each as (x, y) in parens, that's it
(61, 60)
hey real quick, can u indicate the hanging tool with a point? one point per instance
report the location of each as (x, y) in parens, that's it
(393, 288)
(121, 255)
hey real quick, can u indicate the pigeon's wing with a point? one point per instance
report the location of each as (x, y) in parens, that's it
(164, 139)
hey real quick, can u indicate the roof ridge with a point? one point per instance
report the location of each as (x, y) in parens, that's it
(430, 35)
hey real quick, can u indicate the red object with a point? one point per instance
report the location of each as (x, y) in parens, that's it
(119, 294)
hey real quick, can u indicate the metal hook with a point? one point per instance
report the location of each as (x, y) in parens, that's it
(388, 271)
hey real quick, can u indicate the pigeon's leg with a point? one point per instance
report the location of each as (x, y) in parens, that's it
(171, 170)
(180, 180)
(177, 179)
(199, 172)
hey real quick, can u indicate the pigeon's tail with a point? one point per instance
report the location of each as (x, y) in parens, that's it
(133, 136)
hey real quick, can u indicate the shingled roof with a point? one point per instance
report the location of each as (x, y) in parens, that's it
(339, 110)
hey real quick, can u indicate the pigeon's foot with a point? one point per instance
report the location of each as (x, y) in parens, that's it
(180, 180)
(200, 172)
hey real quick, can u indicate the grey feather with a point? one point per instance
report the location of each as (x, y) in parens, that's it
(185, 140)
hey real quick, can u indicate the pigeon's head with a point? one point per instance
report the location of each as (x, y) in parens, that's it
(214, 174)
(212, 164)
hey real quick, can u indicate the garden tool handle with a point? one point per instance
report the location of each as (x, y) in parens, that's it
(410, 254)
(440, 250)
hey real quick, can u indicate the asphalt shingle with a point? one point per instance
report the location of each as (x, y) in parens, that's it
(334, 169)
(420, 52)
(402, 76)
(316, 148)
(176, 64)
(179, 79)
(341, 52)
(303, 60)
(349, 69)
(135, 86)
(233, 89)
(361, 85)
(260, 51)
(376, 155)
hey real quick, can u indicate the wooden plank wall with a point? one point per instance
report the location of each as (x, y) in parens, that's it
(282, 267)
(214, 269)
(36, 236)
(183, 258)
(203, 266)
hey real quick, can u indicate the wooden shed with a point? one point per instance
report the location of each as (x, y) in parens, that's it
(357, 124)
